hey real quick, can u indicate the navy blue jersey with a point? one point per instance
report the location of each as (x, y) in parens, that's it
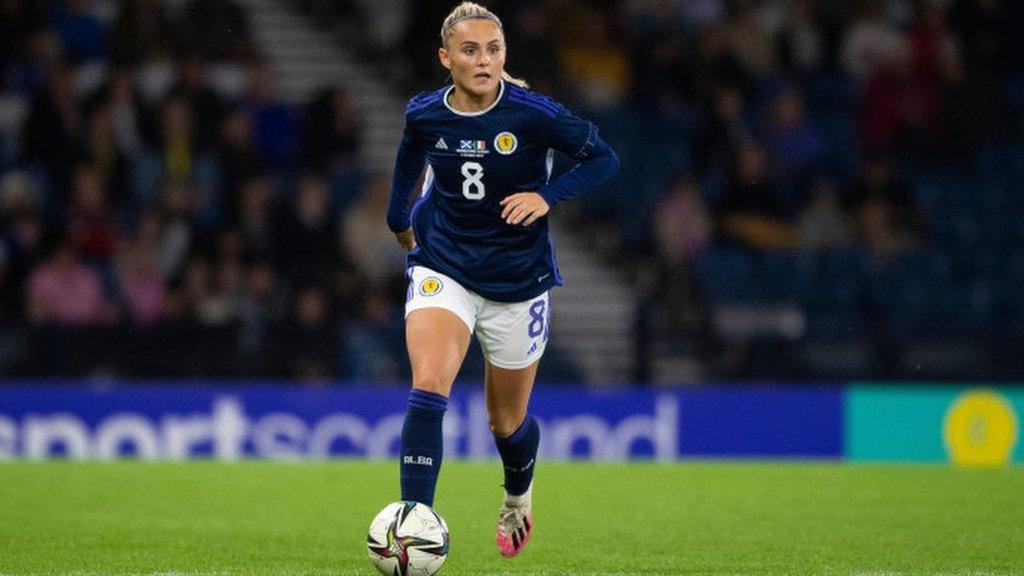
(473, 161)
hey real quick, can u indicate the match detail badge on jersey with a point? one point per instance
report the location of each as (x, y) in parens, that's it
(473, 148)
(430, 286)
(505, 143)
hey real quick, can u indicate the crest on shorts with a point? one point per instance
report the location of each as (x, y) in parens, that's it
(506, 143)
(430, 285)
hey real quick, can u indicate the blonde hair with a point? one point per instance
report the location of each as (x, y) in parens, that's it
(474, 11)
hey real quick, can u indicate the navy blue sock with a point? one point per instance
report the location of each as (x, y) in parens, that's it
(422, 446)
(519, 454)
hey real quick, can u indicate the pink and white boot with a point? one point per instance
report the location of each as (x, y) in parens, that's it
(515, 523)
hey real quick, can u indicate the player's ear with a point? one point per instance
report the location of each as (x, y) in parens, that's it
(442, 55)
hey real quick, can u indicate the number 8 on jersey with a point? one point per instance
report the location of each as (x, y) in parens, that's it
(474, 174)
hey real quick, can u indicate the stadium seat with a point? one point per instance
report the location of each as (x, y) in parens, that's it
(726, 276)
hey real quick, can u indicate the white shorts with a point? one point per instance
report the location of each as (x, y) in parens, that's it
(512, 335)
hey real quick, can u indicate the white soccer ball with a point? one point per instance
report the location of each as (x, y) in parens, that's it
(408, 539)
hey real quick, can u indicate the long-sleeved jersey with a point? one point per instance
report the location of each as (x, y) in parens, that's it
(473, 161)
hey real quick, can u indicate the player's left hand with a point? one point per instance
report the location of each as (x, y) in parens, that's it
(406, 238)
(524, 207)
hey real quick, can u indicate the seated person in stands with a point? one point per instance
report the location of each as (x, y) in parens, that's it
(884, 211)
(752, 212)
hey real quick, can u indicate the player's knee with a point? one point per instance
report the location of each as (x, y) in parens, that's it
(504, 425)
(428, 382)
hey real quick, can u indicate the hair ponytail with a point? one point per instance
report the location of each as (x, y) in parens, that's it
(513, 80)
(474, 11)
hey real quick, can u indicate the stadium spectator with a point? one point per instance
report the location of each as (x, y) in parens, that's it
(100, 148)
(262, 303)
(682, 225)
(753, 212)
(237, 164)
(823, 224)
(20, 241)
(371, 247)
(872, 42)
(713, 63)
(64, 291)
(178, 233)
(229, 280)
(682, 231)
(254, 216)
(697, 12)
(50, 132)
(595, 66)
(141, 282)
(81, 33)
(332, 132)
(795, 144)
(308, 235)
(371, 340)
(18, 194)
(20, 20)
(124, 109)
(140, 31)
(21, 249)
(311, 339)
(982, 27)
(801, 40)
(207, 110)
(178, 142)
(886, 217)
(217, 30)
(750, 41)
(531, 39)
(275, 124)
(970, 107)
(724, 132)
(90, 221)
(201, 299)
(892, 110)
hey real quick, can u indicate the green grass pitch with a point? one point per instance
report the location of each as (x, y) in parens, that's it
(749, 519)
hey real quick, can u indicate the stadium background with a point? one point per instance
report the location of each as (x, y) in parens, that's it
(816, 198)
(812, 256)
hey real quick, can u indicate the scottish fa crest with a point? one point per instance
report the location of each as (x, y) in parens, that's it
(430, 285)
(505, 143)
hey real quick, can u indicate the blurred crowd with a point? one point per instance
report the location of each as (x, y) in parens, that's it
(857, 160)
(792, 119)
(150, 174)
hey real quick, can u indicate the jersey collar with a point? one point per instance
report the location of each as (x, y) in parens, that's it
(501, 92)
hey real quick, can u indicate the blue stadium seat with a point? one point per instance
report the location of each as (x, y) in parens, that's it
(930, 266)
(786, 275)
(712, 189)
(843, 274)
(834, 292)
(726, 276)
(906, 307)
(966, 308)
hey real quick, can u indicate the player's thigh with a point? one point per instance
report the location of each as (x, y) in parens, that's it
(508, 396)
(437, 340)
(513, 335)
(439, 319)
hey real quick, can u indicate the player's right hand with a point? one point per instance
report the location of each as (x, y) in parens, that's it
(406, 238)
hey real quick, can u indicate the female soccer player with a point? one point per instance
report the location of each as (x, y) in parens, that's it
(480, 257)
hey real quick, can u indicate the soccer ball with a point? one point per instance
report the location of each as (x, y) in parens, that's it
(408, 539)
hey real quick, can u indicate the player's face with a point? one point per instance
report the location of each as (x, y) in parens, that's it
(475, 55)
